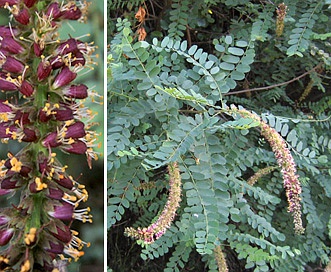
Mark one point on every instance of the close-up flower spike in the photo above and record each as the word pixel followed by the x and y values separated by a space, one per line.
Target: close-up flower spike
pixel 43 108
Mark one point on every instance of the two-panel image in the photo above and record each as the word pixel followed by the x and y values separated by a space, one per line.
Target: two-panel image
pixel 175 136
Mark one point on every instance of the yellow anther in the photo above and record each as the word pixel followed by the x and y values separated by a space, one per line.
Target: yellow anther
pixel 26 266
pixel 16 165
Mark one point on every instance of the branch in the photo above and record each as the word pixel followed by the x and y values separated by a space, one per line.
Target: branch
pixel 275 85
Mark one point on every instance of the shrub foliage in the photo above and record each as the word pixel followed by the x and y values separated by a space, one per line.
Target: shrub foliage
pixel 181 75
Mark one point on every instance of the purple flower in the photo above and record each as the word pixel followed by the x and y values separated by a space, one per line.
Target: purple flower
pixel 30 3
pixel 10 64
pixel 44 70
pixel 8 44
pixel 64 77
pixel 5 236
pixel 78 147
pixel 26 88
pixel 22 16
pixel 76 91
pixel 75 130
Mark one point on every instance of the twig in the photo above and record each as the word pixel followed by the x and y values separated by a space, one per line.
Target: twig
pixel 275 85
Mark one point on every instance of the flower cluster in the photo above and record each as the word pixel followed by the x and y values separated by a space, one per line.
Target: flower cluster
pixel 259 174
pixel 286 163
pixel 281 13
pixel 44 110
pixel 163 222
pixel 220 259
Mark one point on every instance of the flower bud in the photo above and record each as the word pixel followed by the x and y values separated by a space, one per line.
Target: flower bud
pixel 64 212
pixel 26 88
pixel 51 140
pixel 30 3
pixel 72 13
pixel 44 69
pixel 5 236
pixel 75 130
pixel 54 11
pixel 76 91
pixel 78 147
pixel 63 233
pixel 8 44
pixel 6 84
pixel 64 77
pixel 11 64
pixel 22 16
pixel 8 2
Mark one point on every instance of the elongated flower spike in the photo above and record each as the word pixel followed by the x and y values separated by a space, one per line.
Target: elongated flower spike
pixel 285 162
pixel 154 231
pixel 48 115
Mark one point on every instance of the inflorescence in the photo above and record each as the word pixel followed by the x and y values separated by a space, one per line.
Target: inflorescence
pixel 285 162
pixel 45 113
pixel 154 231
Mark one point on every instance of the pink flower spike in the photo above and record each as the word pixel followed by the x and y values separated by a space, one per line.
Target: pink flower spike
pixel 64 77
pixel 5 236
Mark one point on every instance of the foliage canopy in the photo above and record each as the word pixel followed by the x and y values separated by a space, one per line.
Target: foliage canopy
pixel 171 92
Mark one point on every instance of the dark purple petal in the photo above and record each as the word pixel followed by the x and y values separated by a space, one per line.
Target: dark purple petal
pixel 63 212
pixel 23 17
pixel 77 147
pixel 30 3
pixel 10 45
pixel 7 85
pixel 64 235
pixel 55 248
pixel 29 135
pixel 55 193
pixel 75 130
pixel 37 49
pixel 44 69
pixel 26 88
pixel 5 236
pixel 8 2
pixel 12 65
pixel 65 182
pixel 8 184
pixel 76 91
pixel 64 114
pixel 64 77
pixel 72 13
pixel 54 11
pixel 51 140
pixel 4 106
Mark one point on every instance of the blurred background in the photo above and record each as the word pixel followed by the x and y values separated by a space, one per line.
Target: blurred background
pixel 77 165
